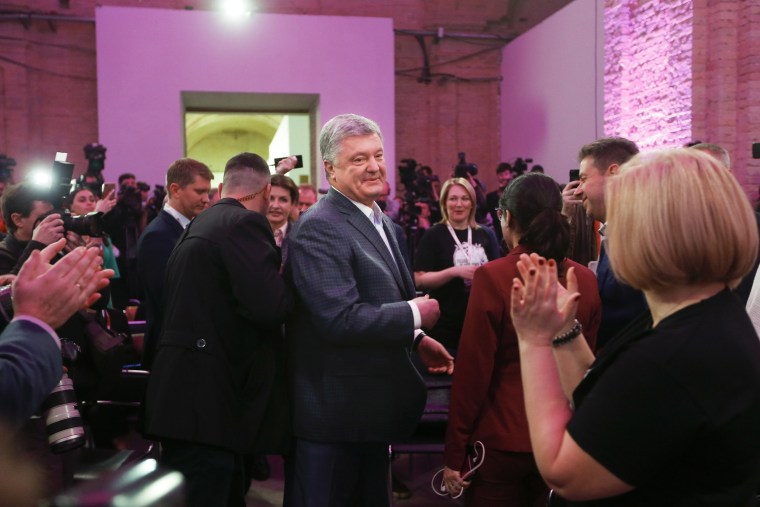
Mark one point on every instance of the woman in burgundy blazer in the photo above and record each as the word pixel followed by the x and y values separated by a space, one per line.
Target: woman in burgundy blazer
pixel 487 397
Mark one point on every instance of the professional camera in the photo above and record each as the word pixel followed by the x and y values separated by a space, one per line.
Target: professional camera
pixel 6 168
pixel 462 169
pixel 520 166
pixel 419 182
pixel 96 157
pixel 130 198
pixel 62 419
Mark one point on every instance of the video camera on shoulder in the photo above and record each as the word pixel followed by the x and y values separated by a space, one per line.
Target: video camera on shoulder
pixel 462 169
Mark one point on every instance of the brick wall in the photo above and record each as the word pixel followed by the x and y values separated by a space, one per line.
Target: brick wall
pixel 647 75
pixel 458 111
pixel 677 70
pixel 727 82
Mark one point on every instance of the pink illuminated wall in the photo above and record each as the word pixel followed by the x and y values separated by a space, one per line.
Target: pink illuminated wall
pixel 648 71
pixel 552 91
pixel 147 57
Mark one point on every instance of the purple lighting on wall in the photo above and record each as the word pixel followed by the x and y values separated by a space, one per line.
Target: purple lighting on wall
pixel 648 71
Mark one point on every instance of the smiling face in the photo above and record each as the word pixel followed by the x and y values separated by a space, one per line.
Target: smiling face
pixel 359 169
pixel 280 205
pixel 458 206
pixel 83 203
pixel 591 189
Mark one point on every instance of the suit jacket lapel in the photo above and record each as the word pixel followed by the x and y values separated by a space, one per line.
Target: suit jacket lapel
pixel 400 264
pixel 367 228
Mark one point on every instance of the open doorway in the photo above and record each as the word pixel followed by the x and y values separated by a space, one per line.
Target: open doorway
pixel 220 125
pixel 214 137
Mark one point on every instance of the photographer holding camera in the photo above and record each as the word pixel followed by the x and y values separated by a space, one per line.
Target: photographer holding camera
pixel 22 205
pixel 123 226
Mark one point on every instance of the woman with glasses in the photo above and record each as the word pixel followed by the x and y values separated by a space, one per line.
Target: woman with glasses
pixel 668 413
pixel 448 255
pixel 487 403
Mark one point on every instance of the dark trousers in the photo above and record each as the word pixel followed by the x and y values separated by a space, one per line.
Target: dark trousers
pixel 213 476
pixel 507 479
pixel 338 475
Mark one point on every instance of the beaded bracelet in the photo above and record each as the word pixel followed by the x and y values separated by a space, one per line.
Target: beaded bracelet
pixel 569 336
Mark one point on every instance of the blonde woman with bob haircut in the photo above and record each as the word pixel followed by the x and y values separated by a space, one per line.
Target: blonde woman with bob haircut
pixel 448 255
pixel 669 412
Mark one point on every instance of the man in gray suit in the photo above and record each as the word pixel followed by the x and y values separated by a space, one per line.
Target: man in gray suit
pixel 357 320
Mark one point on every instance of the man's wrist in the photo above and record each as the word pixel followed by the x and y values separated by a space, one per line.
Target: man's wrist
pixel 417 339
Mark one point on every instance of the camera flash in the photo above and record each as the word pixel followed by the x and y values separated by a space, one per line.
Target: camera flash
pixel 60 156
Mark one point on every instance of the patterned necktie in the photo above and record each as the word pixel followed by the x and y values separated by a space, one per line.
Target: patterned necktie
pixel 278 237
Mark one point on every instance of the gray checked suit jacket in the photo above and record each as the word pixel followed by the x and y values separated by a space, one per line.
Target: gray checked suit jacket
pixel 352 329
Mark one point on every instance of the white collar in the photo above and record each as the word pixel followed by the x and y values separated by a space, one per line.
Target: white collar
pixel 182 219
pixel 374 213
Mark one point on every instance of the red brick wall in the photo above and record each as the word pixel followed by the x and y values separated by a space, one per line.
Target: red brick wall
pixel 678 71
pixel 647 85
pixel 727 82
pixel 42 112
pixel 647 98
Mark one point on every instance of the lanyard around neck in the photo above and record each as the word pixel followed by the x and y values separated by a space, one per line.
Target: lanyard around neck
pixel 459 243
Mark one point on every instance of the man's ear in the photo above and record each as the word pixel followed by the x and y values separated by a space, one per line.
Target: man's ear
pixel 173 188
pixel 613 169
pixel 330 170
pixel 16 219
pixel 220 188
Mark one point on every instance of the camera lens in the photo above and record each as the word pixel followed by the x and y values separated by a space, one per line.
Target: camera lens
pixel 62 420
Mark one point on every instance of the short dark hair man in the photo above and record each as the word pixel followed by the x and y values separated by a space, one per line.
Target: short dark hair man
pixel 504 174
pixel 307 196
pixel 22 205
pixel 213 381
pixel 188 183
pixel 355 387
pixel 598 161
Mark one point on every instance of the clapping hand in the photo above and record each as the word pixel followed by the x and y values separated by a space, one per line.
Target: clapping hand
pixel 541 307
pixel 52 293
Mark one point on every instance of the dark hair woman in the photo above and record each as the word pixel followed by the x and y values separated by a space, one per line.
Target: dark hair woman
pixel 487 398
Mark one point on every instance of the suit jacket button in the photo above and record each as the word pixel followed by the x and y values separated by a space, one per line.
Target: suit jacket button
pixel 201 343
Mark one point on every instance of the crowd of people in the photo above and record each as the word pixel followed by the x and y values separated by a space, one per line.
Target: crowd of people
pixel 279 322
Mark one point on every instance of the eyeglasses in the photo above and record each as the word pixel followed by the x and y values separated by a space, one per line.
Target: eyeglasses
pixel 500 213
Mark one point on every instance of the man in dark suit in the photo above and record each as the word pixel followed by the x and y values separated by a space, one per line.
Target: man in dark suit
pixel 44 297
pixel 355 388
pixel 214 374
pixel 187 183
pixel 504 175
pixel 600 160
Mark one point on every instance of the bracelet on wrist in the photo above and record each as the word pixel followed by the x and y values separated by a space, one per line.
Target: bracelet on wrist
pixel 568 336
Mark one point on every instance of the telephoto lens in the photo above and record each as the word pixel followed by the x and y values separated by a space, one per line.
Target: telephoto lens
pixel 62 419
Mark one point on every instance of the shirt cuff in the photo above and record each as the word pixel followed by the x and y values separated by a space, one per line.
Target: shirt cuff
pixel 416 314
pixel 41 324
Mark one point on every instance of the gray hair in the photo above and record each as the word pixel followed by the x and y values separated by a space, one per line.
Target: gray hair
pixel 341 127
pixel 719 152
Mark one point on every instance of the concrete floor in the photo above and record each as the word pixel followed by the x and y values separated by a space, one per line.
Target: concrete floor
pixel 415 470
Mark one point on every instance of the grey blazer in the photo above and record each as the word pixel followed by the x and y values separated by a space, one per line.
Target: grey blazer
pixel 351 333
